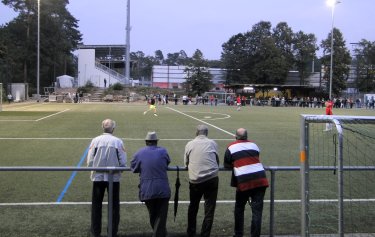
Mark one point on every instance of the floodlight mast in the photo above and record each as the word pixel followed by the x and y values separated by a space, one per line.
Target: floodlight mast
pixel 127 53
pixel 38 54
pixel 332 4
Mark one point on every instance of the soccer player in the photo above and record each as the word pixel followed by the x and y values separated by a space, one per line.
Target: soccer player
pixel 152 107
pixel 238 101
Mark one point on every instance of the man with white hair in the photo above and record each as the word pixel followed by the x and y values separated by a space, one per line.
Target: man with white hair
pixel 105 150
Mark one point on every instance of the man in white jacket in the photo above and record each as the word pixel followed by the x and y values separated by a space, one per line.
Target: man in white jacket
pixel 105 150
pixel 202 160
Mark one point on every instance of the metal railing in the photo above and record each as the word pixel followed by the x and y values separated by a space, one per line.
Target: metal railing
pixel 110 170
pixel 305 121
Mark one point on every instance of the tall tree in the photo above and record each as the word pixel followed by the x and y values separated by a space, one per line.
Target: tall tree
pixel 159 57
pixel 235 58
pixel 304 48
pixel 142 65
pixel 365 60
pixel 284 38
pixel 256 56
pixel 341 61
pixel 198 78
pixel 59 37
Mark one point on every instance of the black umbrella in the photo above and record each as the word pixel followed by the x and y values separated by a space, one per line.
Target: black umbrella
pixel 177 185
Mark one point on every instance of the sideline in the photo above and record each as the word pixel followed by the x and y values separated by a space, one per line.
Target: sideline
pixel 202 121
pixel 72 176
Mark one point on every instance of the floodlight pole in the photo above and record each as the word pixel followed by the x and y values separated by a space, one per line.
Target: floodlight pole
pixel 127 53
pixel 332 5
pixel 38 54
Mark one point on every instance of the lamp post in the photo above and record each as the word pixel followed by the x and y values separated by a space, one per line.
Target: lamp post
pixel 332 4
pixel 38 54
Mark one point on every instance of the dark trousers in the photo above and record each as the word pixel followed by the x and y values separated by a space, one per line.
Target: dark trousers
pixel 256 195
pixel 158 212
pixel 208 190
pixel 98 191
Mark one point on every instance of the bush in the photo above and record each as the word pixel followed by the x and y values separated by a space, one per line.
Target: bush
pixel 117 87
pixel 88 87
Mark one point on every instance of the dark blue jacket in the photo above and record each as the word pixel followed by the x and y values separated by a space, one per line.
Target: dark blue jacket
pixel 152 163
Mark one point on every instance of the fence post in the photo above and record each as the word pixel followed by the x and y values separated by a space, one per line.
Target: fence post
pixel 110 202
pixel 272 202
pixel 304 163
pixel 340 178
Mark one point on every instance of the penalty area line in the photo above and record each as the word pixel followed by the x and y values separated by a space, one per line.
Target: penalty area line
pixel 201 121
pixel 51 115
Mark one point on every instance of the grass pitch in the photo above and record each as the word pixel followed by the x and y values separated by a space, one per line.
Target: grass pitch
pixel 37 134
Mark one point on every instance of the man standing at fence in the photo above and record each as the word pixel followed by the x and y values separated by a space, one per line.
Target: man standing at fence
pixel 202 160
pixel 249 177
pixel 105 150
pixel 152 163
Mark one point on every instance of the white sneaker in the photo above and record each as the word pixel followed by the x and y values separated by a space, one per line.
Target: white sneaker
pixel 144 113
pixel 156 115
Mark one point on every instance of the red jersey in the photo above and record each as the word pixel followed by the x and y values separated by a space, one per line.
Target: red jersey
pixel 329 106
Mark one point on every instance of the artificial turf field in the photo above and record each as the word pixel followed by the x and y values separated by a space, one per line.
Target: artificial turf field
pixel 51 134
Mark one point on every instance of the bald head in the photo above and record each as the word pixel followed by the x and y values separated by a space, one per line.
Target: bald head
pixel 202 130
pixel 108 125
pixel 241 134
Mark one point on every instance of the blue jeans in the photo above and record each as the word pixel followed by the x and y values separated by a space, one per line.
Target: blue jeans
pixel 242 197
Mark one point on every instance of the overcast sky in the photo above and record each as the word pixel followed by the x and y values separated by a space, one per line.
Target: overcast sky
pixel 174 25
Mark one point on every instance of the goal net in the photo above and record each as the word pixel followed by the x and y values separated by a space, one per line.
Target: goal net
pixel 337 175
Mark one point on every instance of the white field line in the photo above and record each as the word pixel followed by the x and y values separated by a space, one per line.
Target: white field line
pixel 182 202
pixel 29 120
pixel 202 121
pixel 226 116
pixel 21 108
pixel 51 115
pixel 17 120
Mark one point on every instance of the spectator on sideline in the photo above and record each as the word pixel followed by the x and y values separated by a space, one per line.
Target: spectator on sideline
pixel 105 150
pixel 80 97
pixel 202 160
pixel 249 178
pixel 10 98
pixel 152 163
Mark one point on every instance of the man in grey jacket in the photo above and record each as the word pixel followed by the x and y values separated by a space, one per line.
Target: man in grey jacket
pixel 105 150
pixel 202 160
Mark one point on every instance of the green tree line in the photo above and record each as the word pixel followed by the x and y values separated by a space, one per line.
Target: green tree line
pixel 264 54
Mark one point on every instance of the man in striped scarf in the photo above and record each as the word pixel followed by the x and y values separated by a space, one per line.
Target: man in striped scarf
pixel 249 177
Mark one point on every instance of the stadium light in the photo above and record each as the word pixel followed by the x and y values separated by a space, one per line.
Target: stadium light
pixel 331 4
pixel 38 54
